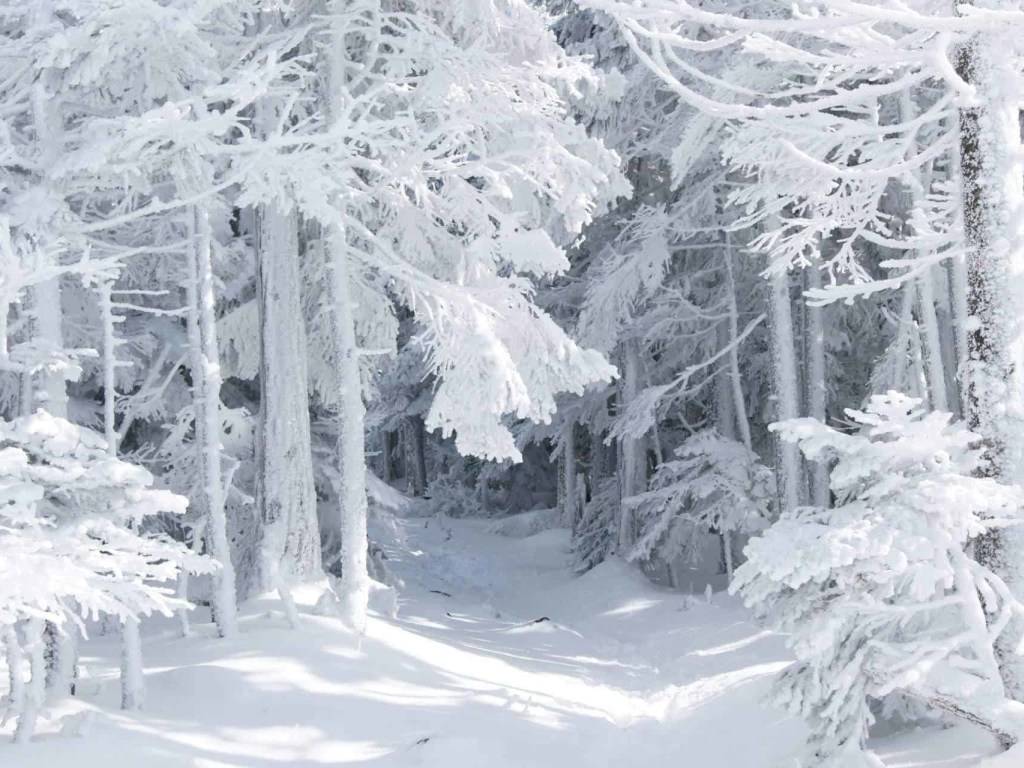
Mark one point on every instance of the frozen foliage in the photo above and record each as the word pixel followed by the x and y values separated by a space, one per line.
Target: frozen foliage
pixel 880 593
pixel 715 485
pixel 70 521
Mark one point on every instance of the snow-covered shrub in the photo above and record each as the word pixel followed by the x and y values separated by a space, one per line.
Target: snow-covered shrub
pixel 69 543
pixel 880 594
pixel 715 485
pixel 448 495
pixel 598 529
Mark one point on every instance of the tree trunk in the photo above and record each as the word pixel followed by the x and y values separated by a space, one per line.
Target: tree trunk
pixel 206 367
pixel 416 455
pixel 34 693
pixel 387 444
pixel 133 686
pixel 47 318
pixel 992 173
pixel 785 389
pixel 15 682
pixel 935 370
pixel 568 477
pixel 632 465
pixel 285 493
pixel 957 277
pixel 739 405
pixel 817 385
pixel 355 580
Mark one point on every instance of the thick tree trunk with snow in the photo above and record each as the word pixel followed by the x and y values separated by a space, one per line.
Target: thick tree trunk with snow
pixel 355 580
pixel 206 366
pixel 785 389
pixel 285 494
pixel 992 178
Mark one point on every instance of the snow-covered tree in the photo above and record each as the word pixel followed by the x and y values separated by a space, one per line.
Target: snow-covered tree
pixel 715 485
pixel 880 594
pixel 72 535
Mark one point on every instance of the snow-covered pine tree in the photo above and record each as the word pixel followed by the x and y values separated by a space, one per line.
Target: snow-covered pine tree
pixel 714 485
pixel 880 594
pixel 74 547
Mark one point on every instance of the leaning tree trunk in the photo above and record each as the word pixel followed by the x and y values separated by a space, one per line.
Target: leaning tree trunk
pixel 992 174
pixel 206 397
pixel 285 494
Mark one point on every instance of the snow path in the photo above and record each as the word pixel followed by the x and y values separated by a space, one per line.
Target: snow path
pixel 619 673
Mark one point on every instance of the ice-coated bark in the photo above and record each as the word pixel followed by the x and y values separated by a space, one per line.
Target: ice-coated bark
pixel 62 659
pixel 206 397
pixel 133 686
pixel 817 385
pixel 739 406
pixel 14 658
pixel 285 494
pixel 354 590
pixel 47 317
pixel 992 170
pixel 785 388
pixel 956 273
pixel 35 691
pixel 109 366
pixel 931 339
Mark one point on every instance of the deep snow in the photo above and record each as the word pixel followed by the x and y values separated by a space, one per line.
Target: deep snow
pixel 619 672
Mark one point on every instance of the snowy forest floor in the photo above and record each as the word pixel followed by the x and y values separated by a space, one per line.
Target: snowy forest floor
pixel 620 673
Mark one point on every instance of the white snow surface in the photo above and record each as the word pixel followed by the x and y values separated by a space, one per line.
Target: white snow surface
pixel 619 672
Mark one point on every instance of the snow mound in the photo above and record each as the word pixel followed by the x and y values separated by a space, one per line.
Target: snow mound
pixel 384 496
